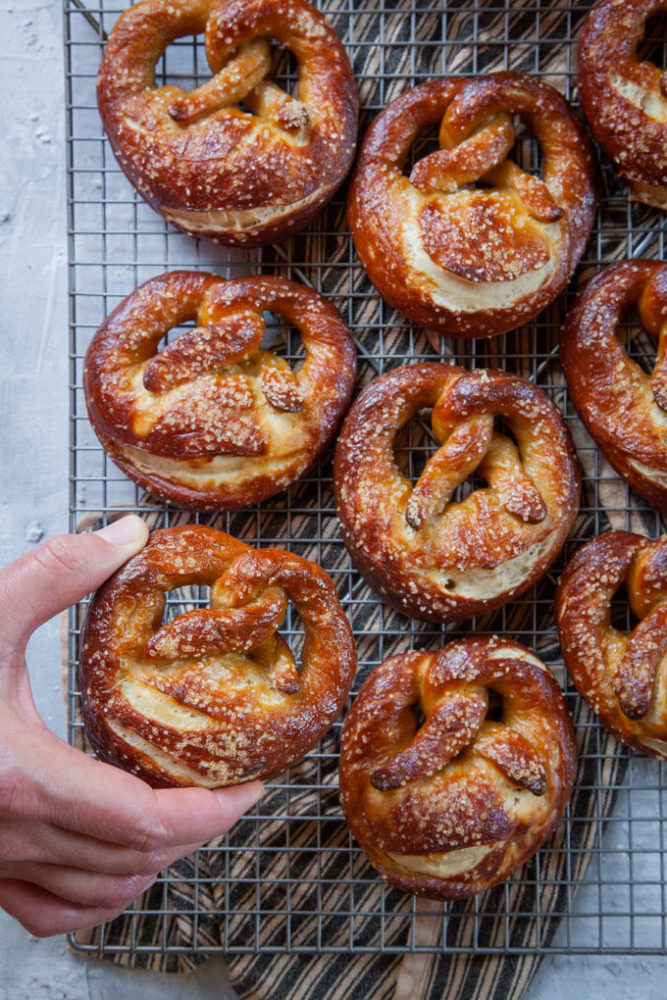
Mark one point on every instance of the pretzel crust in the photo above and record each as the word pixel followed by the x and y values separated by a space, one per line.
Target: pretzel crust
pixel 623 98
pixel 246 177
pixel 462 260
pixel 623 408
pixel 454 806
pixel 622 677
pixel 426 555
pixel 213 420
pixel 214 697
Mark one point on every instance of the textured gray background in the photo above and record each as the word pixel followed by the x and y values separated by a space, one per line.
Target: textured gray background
pixel 34 493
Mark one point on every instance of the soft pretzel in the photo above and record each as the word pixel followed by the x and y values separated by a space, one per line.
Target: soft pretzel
pixel 213 420
pixel 624 409
pixel 622 676
pixel 214 697
pixel 461 258
pixel 453 805
pixel 625 98
pixel 428 555
pixel 249 174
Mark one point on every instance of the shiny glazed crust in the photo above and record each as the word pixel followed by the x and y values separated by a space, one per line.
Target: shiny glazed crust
pixel 458 259
pixel 623 98
pixel 426 555
pixel 212 420
pixel 624 409
pixel 456 805
pixel 250 175
pixel 621 676
pixel 215 696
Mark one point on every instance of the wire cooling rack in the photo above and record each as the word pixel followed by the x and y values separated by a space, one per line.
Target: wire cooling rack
pixel 289 877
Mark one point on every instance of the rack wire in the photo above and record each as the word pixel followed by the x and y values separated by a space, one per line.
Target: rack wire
pixel 290 877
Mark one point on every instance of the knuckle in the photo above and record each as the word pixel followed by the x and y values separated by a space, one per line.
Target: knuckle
pixel 148 835
pixel 58 554
pixel 117 893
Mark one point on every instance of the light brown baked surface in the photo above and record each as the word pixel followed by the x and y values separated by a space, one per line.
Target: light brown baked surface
pixel 214 697
pixel 455 805
pixel 213 420
pixel 246 175
pixel 423 553
pixel 623 407
pixel 463 258
pixel 621 675
pixel 624 97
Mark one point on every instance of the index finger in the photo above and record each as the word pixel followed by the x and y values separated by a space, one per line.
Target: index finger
pixel 102 801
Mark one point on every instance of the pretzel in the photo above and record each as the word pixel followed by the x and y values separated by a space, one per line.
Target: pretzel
pixel 623 408
pixel 434 557
pixel 625 98
pixel 463 258
pixel 213 420
pixel 214 697
pixel 237 159
pixel 622 676
pixel 454 805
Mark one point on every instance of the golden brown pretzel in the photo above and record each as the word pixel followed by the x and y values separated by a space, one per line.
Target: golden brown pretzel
pixel 467 260
pixel 215 696
pixel 624 409
pixel 454 805
pixel 213 420
pixel 622 676
pixel 427 555
pixel 623 98
pixel 251 175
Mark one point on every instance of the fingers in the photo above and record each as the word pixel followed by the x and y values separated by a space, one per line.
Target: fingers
pixel 82 888
pixel 60 572
pixel 40 844
pixel 115 806
pixel 43 913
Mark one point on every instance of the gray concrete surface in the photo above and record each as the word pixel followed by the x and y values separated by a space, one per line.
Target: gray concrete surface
pixel 34 493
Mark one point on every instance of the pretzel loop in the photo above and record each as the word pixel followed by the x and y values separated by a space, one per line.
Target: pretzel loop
pixel 471 243
pixel 453 805
pixel 623 407
pixel 216 695
pixel 181 419
pixel 430 555
pixel 621 675
pixel 237 158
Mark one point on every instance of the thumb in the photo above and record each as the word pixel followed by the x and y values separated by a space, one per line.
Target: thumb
pixel 61 571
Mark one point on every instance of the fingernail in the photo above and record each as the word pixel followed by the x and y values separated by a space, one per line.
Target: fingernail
pixel 130 531
pixel 249 793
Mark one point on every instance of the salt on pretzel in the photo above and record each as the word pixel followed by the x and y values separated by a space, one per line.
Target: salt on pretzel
pixel 215 696
pixel 623 407
pixel 469 244
pixel 246 175
pixel 451 805
pixel 213 420
pixel 426 554
pixel 621 675
pixel 624 97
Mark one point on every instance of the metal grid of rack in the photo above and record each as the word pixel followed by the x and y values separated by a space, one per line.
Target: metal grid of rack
pixel 289 877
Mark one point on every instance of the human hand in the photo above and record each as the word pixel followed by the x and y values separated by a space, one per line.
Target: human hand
pixel 79 839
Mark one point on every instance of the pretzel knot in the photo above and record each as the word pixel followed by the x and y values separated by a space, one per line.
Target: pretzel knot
pixel 214 420
pixel 215 696
pixel 250 174
pixel 623 407
pixel 471 244
pixel 621 675
pixel 625 98
pixel 428 554
pixel 453 804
